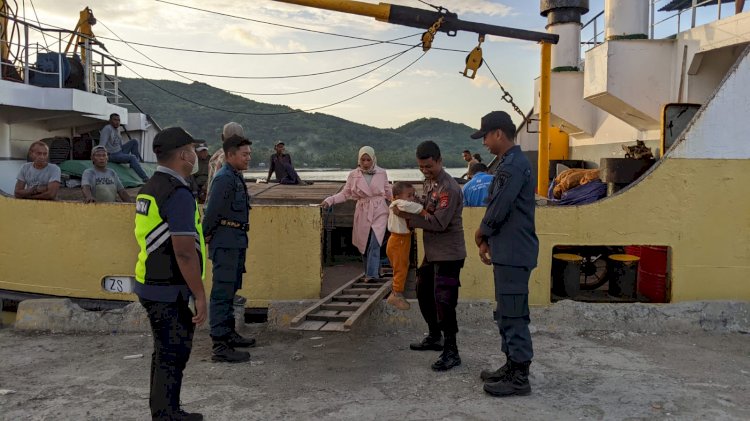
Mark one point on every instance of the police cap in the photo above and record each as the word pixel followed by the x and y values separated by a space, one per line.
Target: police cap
pixel 171 138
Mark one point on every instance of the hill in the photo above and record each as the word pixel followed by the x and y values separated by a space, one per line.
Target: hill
pixel 315 139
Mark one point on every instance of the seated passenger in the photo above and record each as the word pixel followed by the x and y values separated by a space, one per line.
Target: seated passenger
pixel 101 184
pixel 281 164
pixel 38 180
pixel 121 153
pixel 477 188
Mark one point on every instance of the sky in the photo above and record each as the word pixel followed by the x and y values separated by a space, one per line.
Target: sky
pixel 431 87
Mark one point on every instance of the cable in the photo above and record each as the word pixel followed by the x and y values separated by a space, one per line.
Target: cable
pixel 237 53
pixel 279 113
pixel 507 97
pixel 40 23
pixel 298 28
pixel 392 58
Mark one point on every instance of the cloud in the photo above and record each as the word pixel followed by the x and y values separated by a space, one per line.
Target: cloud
pixel 481 81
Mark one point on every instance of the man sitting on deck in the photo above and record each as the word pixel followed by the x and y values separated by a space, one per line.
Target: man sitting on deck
pixel 38 180
pixel 281 164
pixel 121 153
pixel 101 184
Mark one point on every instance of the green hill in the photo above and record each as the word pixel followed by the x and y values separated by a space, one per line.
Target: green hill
pixel 315 139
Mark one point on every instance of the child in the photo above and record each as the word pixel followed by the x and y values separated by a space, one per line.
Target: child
pixel 399 243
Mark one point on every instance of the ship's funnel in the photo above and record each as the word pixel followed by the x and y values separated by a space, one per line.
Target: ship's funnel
pixel 626 19
pixel 564 19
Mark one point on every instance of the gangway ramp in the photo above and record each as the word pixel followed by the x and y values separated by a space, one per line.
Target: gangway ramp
pixel 343 308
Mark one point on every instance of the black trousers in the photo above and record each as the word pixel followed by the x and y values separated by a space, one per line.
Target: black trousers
pixel 172 328
pixel 437 294
pixel 229 265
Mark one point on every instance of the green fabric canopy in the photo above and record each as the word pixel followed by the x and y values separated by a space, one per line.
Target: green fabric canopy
pixel 128 177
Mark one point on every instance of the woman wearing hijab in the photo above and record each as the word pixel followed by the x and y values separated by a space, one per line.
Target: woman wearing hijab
pixel 368 185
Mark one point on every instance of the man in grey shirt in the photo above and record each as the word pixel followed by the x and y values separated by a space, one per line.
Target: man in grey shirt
pixel 38 180
pixel 121 153
pixel 101 184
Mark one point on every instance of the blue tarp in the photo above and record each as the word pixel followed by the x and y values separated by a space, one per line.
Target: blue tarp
pixel 581 195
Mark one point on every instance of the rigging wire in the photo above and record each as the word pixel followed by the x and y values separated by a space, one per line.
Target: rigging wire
pixel 239 53
pixel 296 27
pixel 181 72
pixel 390 59
pixel 40 23
pixel 278 113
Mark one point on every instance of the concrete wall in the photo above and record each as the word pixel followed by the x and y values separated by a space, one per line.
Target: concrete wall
pixel 64 249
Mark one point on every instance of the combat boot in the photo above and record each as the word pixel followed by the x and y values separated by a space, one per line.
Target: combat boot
pixel 449 358
pixel 238 341
pixel 187 416
pixel 516 383
pixel 431 342
pixel 224 353
pixel 492 376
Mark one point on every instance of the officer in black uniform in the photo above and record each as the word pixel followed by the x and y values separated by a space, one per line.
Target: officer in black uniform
pixel 507 240
pixel 225 225
pixel 170 268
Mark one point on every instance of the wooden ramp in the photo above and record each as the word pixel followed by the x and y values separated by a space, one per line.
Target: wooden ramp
pixel 339 311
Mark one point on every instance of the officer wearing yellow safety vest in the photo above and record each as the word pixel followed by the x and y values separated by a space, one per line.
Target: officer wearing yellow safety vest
pixel 170 268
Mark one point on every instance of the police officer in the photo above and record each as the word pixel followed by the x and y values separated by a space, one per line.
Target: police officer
pixel 445 251
pixel 226 224
pixel 170 268
pixel 507 240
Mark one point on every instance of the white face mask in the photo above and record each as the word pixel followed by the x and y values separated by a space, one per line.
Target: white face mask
pixel 195 166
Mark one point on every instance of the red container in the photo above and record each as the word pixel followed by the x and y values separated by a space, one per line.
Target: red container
pixel 633 250
pixel 653 286
pixel 654 259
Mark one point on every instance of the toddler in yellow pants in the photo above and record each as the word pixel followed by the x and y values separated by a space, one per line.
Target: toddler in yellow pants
pixel 399 243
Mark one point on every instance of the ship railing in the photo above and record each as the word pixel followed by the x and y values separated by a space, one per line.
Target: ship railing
pixel 593 32
pixel 99 68
pixel 692 11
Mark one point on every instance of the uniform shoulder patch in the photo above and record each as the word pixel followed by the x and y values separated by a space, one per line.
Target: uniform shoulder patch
pixel 444 199
pixel 502 177
pixel 142 206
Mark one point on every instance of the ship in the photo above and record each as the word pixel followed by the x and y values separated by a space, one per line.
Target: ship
pixel 658 117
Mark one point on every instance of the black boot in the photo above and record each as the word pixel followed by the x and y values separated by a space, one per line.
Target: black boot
pixel 187 416
pixel 431 342
pixel 224 353
pixel 492 376
pixel 516 383
pixel 238 341
pixel 449 358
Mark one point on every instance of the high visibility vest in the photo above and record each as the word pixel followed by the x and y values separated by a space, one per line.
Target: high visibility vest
pixel 157 263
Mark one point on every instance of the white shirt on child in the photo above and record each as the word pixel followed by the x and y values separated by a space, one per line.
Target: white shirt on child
pixel 396 224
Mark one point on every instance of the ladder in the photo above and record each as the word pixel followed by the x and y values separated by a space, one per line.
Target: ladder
pixel 340 310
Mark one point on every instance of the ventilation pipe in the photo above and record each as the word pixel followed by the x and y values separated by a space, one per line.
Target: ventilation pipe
pixel 626 19
pixel 564 19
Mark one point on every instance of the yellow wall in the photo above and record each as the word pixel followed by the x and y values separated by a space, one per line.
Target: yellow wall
pixel 63 248
pixel 696 207
pixel 699 208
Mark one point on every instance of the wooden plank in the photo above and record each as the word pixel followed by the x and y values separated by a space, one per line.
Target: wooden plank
pixel 340 307
pixel 359 291
pixel 310 325
pixel 328 317
pixel 366 285
pixel 349 298
pixel 301 317
pixel 367 305
pixel 333 327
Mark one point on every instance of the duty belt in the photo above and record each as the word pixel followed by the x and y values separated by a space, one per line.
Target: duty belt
pixel 234 224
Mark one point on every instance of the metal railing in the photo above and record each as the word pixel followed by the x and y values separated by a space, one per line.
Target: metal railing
pixel 99 68
pixel 693 10
pixel 593 31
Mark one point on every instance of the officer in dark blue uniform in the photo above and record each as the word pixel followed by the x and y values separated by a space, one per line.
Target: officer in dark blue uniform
pixel 225 226
pixel 507 240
